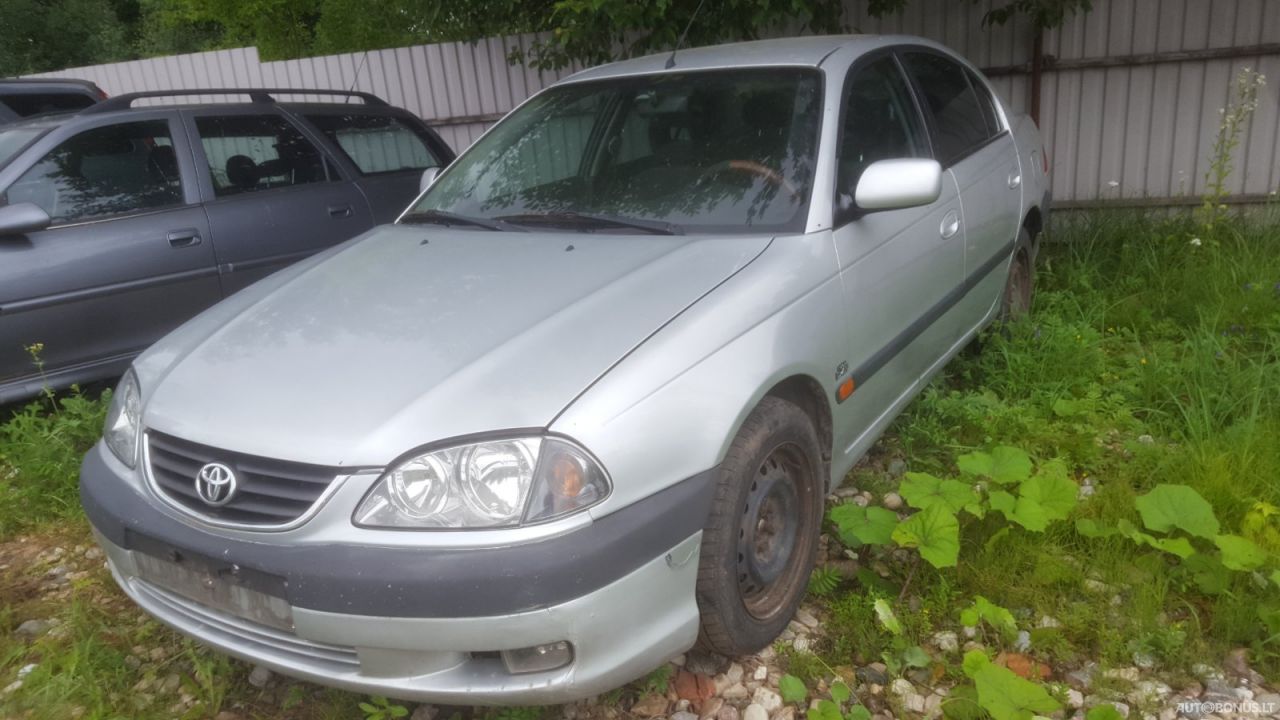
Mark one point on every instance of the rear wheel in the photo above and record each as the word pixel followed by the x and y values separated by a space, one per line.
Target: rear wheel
pixel 761 538
pixel 1019 287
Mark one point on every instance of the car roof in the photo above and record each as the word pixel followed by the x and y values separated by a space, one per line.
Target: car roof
pixel 26 82
pixel 796 51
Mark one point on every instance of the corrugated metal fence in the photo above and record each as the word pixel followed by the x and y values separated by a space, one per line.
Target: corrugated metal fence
pixel 1129 94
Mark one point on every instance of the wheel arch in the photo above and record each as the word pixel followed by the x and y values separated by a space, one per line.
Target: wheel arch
pixel 806 392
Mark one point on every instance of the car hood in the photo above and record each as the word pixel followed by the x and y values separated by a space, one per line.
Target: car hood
pixel 416 334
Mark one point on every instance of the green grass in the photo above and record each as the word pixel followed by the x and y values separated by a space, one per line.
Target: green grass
pixel 1135 332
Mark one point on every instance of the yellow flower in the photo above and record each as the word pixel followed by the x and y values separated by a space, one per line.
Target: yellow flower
pixel 1143 361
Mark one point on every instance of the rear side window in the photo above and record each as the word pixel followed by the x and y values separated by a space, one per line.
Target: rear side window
pixel 112 170
pixel 959 120
pixel 249 153
pixel 377 143
pixel 986 102
pixel 28 104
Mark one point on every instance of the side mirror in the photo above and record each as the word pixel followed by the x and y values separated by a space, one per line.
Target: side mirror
pixel 428 176
pixel 22 218
pixel 902 183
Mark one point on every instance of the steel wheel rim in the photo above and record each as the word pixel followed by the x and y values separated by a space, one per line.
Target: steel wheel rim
pixel 770 548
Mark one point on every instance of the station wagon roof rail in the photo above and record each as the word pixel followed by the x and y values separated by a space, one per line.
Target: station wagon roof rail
pixel 257 95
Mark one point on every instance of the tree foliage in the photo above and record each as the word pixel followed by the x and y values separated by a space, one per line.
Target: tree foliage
pixel 53 34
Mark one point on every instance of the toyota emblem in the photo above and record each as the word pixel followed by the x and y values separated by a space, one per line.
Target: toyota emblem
pixel 216 484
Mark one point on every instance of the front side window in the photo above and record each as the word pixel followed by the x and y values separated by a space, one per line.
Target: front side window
pixel 111 170
pixel 959 121
pixel 880 123
pixel 376 143
pixel 248 153
pixel 711 151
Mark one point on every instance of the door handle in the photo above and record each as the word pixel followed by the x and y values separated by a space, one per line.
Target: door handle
pixel 950 224
pixel 1015 179
pixel 187 237
pixel 339 211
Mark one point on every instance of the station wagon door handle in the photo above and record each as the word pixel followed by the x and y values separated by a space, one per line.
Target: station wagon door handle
pixel 187 237
pixel 339 211
pixel 1015 179
pixel 950 224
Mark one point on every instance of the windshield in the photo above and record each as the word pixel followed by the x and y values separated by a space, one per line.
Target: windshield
pixel 710 151
pixel 13 140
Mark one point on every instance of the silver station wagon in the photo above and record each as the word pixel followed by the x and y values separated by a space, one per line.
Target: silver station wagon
pixel 580 406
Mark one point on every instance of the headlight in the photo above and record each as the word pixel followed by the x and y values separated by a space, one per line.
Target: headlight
pixel 498 483
pixel 121 431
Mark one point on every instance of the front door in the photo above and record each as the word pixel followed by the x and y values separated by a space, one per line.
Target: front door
pixel 272 196
pixel 897 266
pixel 126 259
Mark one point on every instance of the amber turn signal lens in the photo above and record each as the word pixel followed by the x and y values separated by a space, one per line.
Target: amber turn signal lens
pixel 845 390
pixel 566 476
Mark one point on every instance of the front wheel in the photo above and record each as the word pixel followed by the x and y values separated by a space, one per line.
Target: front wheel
pixel 761 538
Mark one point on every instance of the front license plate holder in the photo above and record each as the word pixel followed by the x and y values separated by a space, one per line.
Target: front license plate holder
pixel 221 586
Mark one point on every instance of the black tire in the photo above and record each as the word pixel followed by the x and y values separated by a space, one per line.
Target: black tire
pixel 1019 287
pixel 761 539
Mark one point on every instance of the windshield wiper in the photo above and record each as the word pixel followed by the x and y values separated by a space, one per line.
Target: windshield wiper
pixel 444 217
pixel 657 227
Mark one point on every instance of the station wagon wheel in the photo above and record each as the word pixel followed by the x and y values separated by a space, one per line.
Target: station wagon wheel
pixel 760 542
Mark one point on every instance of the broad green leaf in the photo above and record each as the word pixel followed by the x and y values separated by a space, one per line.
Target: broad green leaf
pixel 885 615
pixel 915 657
pixel 840 693
pixel 1106 711
pixel 935 532
pixel 859 526
pixel 983 610
pixel 1091 528
pixel 1052 490
pixel 858 712
pixel 1179 546
pixel 825 710
pixel 1240 553
pixel 1208 573
pixel 962 704
pixel 1169 507
pixel 1003 694
pixel 1270 616
pixel 1003 502
pixel 398 711
pixel 1003 465
pixel 792 689
pixel 923 491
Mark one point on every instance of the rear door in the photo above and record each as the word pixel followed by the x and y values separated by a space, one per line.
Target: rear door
pixel 973 143
pixel 273 196
pixel 126 259
pixel 385 149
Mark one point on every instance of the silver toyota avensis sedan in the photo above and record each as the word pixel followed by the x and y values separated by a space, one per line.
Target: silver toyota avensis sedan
pixel 580 406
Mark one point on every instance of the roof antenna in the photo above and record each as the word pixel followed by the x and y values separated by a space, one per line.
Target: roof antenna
pixel 671 61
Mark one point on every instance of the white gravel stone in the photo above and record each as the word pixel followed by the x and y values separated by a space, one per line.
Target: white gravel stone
pixel 260 677
pixel 737 691
pixel 684 715
pixel 901 686
pixel 892 501
pixel 1048 621
pixel 946 641
pixel 970 632
pixel 427 712
pixel 767 699
pixel 11 688
pixel 755 712
pixel 801 643
pixel 1075 699
pixel 735 673
pixel 25 670
pixel 806 618
pixel 761 673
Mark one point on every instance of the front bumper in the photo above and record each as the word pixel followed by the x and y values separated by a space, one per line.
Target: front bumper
pixel 619 628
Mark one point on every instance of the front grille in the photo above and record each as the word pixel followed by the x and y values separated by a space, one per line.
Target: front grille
pixel 242 634
pixel 268 492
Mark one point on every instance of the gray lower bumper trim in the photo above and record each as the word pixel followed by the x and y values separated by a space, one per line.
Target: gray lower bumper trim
pixel 409 582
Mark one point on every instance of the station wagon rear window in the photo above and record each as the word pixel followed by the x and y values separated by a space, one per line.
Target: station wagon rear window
pixel 705 151
pixel 376 143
